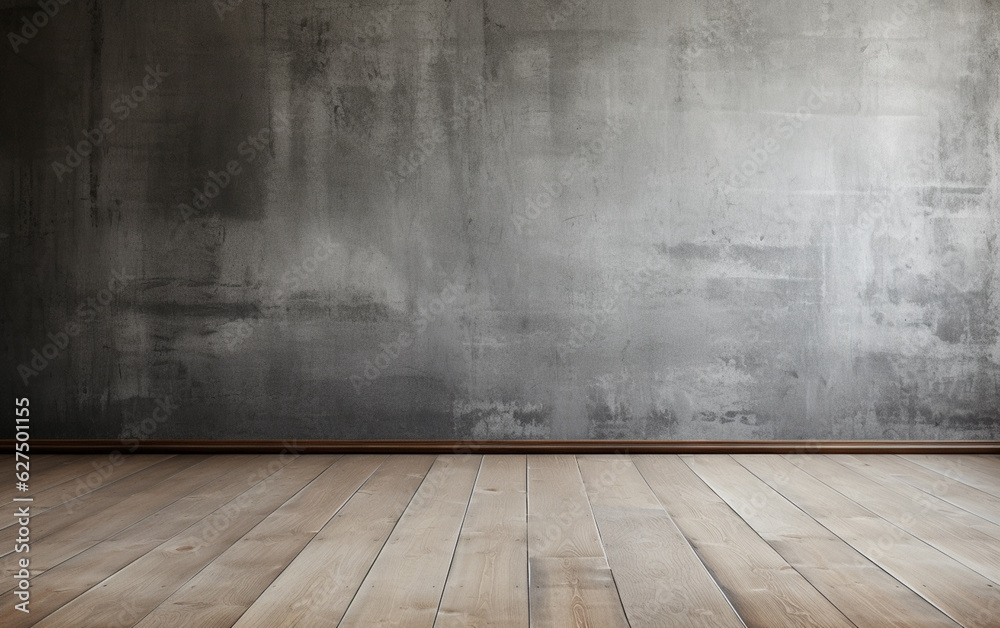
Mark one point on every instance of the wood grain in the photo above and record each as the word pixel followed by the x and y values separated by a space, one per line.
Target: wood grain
pixel 488 581
pixel 62 583
pixel 255 560
pixel 660 579
pixel 45 522
pixel 406 581
pixel 988 464
pixel 608 540
pixel 971 540
pixel 763 588
pixel 944 582
pixel 862 591
pixel 569 577
pixel 73 494
pixel 902 471
pixel 43 477
pixel 317 586
pixel 560 522
pixel 70 540
pixel 574 593
pixel 961 468
pixel 127 596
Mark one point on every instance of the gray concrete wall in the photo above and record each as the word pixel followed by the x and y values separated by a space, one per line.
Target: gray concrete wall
pixel 524 219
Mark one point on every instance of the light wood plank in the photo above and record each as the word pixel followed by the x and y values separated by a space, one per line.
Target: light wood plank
pixel 46 460
pixel 959 468
pixel 72 495
pixel 987 464
pixel 405 583
pixel 866 594
pixel 46 463
pixel 660 579
pixel 763 588
pixel 488 581
pixel 990 460
pixel 124 598
pixel 60 469
pixel 857 528
pixel 969 539
pixel 904 472
pixel 64 582
pixel 89 531
pixel 570 582
pixel 560 523
pixel 573 593
pixel 316 588
pixel 944 582
pixel 253 562
pixel 50 521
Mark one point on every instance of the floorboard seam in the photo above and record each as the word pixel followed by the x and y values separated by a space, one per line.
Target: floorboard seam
pixel 302 549
pixel 852 546
pixel 774 549
pixel 458 539
pixel 402 512
pixel 206 565
pixel 600 537
pixel 708 570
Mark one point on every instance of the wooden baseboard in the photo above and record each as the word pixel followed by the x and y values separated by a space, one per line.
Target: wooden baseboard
pixel 83 446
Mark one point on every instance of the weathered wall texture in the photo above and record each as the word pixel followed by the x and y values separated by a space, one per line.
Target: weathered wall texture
pixel 521 219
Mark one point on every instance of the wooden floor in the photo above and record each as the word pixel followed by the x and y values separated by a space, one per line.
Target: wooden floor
pixel 508 540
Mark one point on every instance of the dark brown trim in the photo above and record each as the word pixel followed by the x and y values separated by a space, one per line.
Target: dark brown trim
pixel 78 446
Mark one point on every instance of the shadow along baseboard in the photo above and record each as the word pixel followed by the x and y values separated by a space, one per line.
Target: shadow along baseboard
pixel 96 446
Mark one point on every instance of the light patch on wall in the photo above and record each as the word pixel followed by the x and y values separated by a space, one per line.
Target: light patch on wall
pixel 500 420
